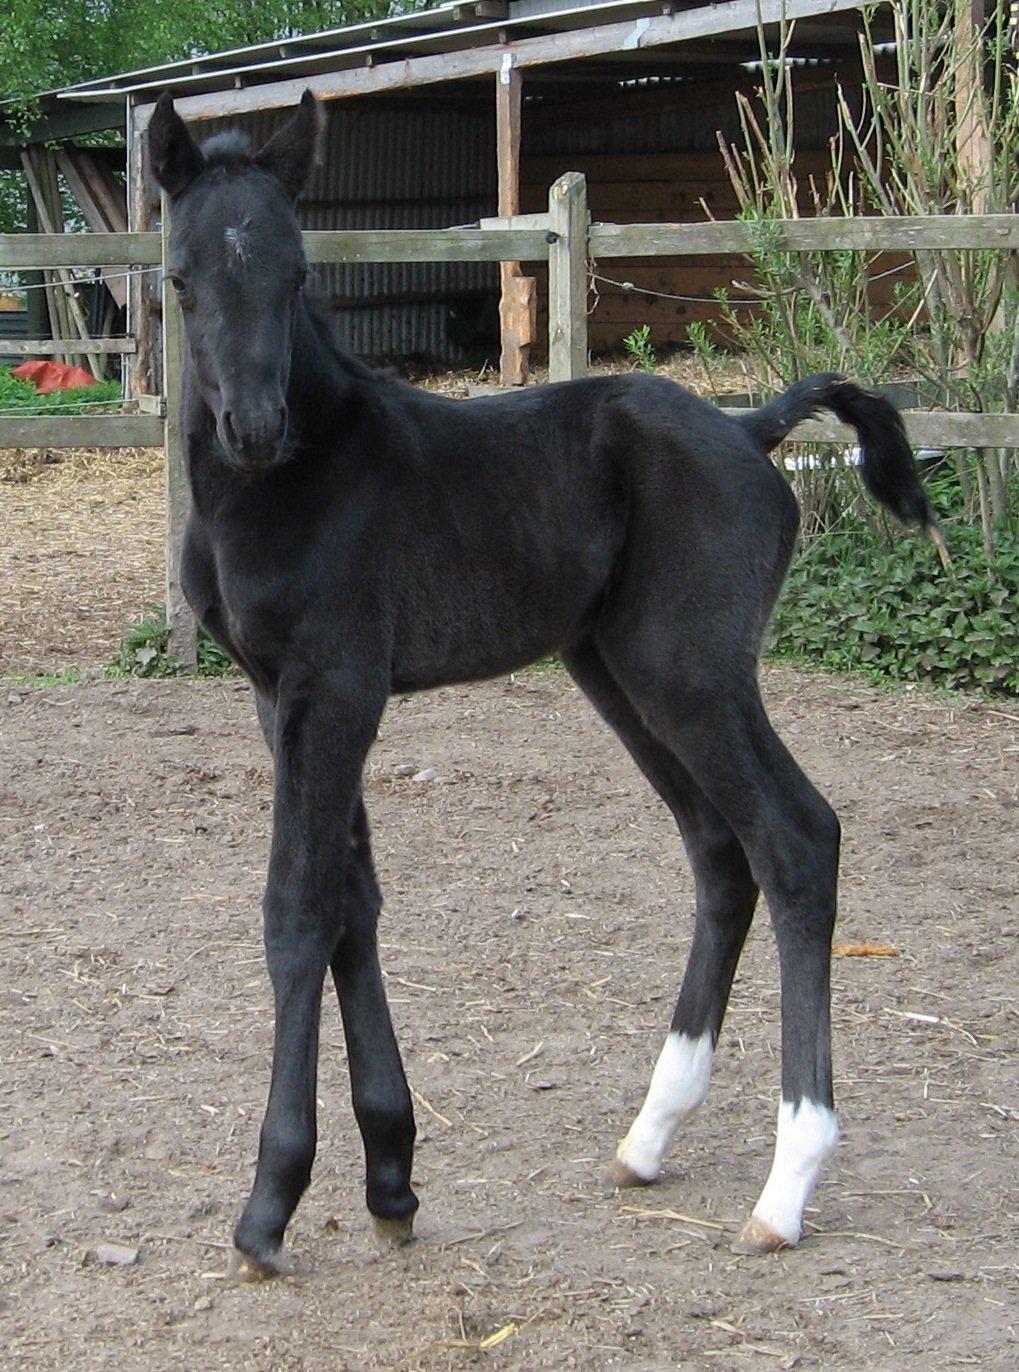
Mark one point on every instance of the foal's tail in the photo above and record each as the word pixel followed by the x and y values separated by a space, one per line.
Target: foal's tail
pixel 889 469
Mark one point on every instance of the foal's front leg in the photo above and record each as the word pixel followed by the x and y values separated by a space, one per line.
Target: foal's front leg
pixel 322 732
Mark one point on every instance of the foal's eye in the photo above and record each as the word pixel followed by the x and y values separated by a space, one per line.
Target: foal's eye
pixel 302 278
pixel 177 282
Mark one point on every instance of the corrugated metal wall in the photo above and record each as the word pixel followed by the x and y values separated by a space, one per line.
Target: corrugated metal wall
pixel 401 165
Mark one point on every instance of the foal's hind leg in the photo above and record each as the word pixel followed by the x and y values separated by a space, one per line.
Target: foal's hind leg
pixel 382 1103
pixel 726 898
pixel 710 714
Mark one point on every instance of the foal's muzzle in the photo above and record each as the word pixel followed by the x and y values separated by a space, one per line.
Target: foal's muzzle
pixel 253 437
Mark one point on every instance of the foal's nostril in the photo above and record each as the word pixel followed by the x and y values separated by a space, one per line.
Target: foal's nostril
pixel 229 432
pixel 284 418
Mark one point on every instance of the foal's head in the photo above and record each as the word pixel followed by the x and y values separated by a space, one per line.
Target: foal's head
pixel 237 264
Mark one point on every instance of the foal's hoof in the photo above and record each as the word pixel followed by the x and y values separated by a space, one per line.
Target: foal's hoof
pixel 621 1174
pixel 245 1269
pixel 393 1231
pixel 758 1237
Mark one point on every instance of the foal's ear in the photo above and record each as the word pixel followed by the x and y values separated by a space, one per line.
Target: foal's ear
pixel 176 157
pixel 292 151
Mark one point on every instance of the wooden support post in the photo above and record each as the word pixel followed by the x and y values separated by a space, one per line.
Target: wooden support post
pixel 567 278
pixel 37 308
pixel 517 301
pixel 183 636
pixel 138 380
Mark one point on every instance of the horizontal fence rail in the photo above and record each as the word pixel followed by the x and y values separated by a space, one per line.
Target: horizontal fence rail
pixel 925 429
pixel 48 347
pixel 19 251
pixel 426 245
pixel 82 431
pixel 995 231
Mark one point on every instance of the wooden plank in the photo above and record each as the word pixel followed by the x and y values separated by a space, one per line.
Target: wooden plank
pixel 18 250
pixel 140 205
pixel 926 429
pixel 425 245
pixel 515 310
pixel 567 279
pixel 50 347
pixel 707 21
pixel 804 235
pixel 82 431
pixel 65 309
pixel 183 636
pixel 103 213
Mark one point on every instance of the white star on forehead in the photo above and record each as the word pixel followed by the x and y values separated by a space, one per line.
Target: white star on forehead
pixel 238 240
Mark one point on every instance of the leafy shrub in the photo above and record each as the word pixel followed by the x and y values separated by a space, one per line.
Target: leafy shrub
pixel 851 604
pixel 144 652
pixel 21 398
pixel 638 345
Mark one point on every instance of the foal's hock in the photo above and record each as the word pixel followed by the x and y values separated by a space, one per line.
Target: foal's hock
pixel 351 536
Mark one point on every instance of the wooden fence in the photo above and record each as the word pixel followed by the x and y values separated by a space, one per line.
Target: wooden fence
pixel 563 237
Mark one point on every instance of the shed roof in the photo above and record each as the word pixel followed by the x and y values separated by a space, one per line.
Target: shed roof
pixel 459 28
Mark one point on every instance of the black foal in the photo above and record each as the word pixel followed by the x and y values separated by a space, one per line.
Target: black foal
pixel 352 537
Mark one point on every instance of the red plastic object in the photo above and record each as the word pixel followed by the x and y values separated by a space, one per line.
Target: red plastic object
pixel 54 376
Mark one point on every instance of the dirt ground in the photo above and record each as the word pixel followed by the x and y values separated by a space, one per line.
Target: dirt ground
pixel 536 925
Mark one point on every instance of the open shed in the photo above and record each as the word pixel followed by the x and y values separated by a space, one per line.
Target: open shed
pixel 449 115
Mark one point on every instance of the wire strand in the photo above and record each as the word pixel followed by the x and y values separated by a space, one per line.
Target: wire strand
pixel 75 281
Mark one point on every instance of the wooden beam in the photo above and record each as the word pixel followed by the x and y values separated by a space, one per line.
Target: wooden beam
pixel 82 431
pixel 65 121
pixel 65 308
pixel 140 205
pixel 567 279
pixel 96 201
pixel 54 347
pixel 804 235
pixel 182 642
pixel 516 305
pixel 19 250
pixel 708 21
pixel 425 245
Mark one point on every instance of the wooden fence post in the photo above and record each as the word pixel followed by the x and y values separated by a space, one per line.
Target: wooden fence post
pixel 183 637
pixel 567 278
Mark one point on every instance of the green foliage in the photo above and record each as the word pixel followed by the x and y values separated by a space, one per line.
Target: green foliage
pixel 638 345
pixel 144 652
pixel 852 604
pixel 53 43
pixel 20 398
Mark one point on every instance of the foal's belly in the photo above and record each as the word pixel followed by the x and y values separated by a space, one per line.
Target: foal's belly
pixel 468 619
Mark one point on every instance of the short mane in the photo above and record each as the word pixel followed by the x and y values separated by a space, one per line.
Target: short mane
pixel 223 149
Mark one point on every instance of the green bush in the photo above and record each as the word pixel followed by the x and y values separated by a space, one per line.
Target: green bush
pixel 144 652
pixel 851 604
pixel 19 398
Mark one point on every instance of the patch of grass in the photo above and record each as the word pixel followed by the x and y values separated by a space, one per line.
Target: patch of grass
pixel 18 398
pixel 67 676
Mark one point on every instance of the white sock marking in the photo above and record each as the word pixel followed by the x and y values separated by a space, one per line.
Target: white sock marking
pixel 679 1084
pixel 807 1135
